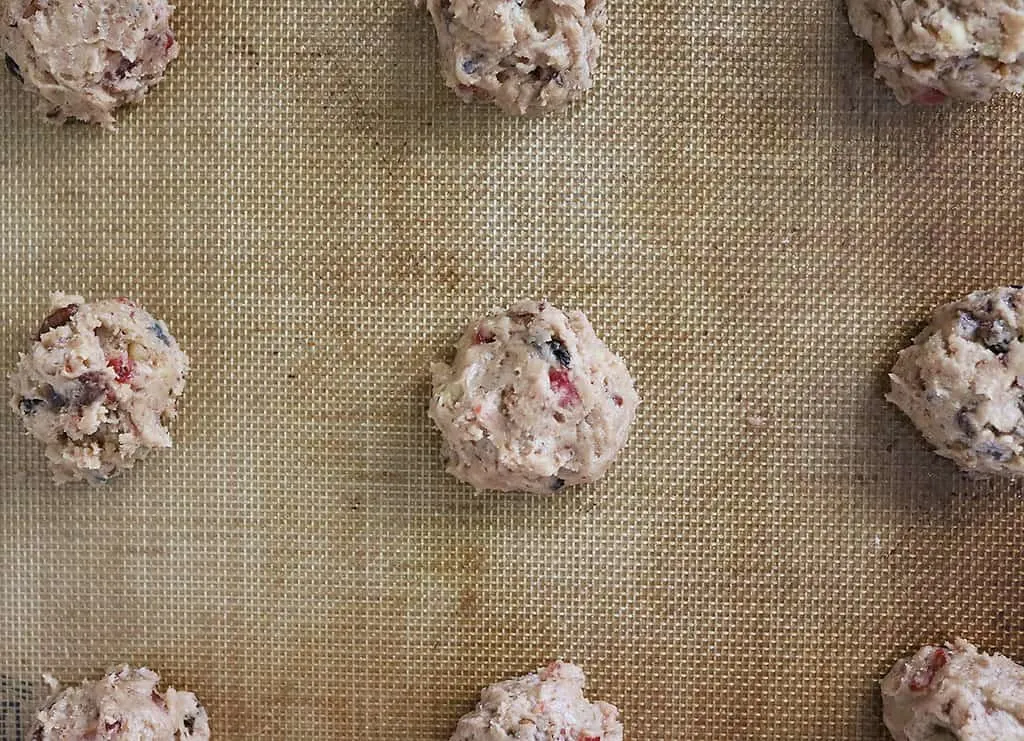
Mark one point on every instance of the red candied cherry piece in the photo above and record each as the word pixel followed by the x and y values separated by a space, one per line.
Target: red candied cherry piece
pixel 124 367
pixel 561 385
pixel 923 677
pixel 482 336
pixel 931 96
pixel 588 737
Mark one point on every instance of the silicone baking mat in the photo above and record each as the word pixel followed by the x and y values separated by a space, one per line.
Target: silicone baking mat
pixel 748 219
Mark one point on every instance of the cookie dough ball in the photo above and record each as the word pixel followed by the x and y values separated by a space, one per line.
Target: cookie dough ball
pixel 546 706
pixel 961 382
pixel 98 386
pixel 86 58
pixel 929 50
pixel 532 402
pixel 525 56
pixel 125 705
pixel 949 692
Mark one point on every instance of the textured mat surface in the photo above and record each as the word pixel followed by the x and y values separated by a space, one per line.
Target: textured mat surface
pixel 747 218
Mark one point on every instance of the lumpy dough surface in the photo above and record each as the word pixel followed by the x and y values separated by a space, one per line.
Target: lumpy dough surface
pixel 949 692
pixel 548 705
pixel 962 382
pixel 86 58
pixel 526 56
pixel 532 402
pixel 928 50
pixel 98 386
pixel 124 705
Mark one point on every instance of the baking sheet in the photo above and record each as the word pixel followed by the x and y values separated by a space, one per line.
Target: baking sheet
pixel 747 218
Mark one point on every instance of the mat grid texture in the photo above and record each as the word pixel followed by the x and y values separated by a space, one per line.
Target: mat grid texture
pixel 747 218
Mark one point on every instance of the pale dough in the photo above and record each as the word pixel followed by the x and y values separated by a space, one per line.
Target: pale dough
pixel 525 56
pixel 953 692
pixel 86 58
pixel 546 706
pixel 928 50
pixel 98 386
pixel 533 401
pixel 962 382
pixel 124 705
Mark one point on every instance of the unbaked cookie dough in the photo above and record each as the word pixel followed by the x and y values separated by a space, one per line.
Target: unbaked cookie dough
pixel 546 706
pixel 953 692
pixel 98 386
pixel 86 58
pixel 928 50
pixel 125 705
pixel 525 56
pixel 962 382
pixel 533 401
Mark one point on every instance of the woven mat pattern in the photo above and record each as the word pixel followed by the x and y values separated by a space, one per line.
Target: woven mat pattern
pixel 748 219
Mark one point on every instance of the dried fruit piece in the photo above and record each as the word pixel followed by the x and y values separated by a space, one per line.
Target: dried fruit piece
pixel 57 318
pixel 161 334
pixel 560 352
pixel 923 677
pixel 93 388
pixel 568 394
pixel 30 406
pixel 124 367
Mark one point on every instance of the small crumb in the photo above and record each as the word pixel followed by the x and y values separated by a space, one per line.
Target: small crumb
pixel 757 422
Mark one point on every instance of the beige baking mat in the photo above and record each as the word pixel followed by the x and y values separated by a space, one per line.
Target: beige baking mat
pixel 747 218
